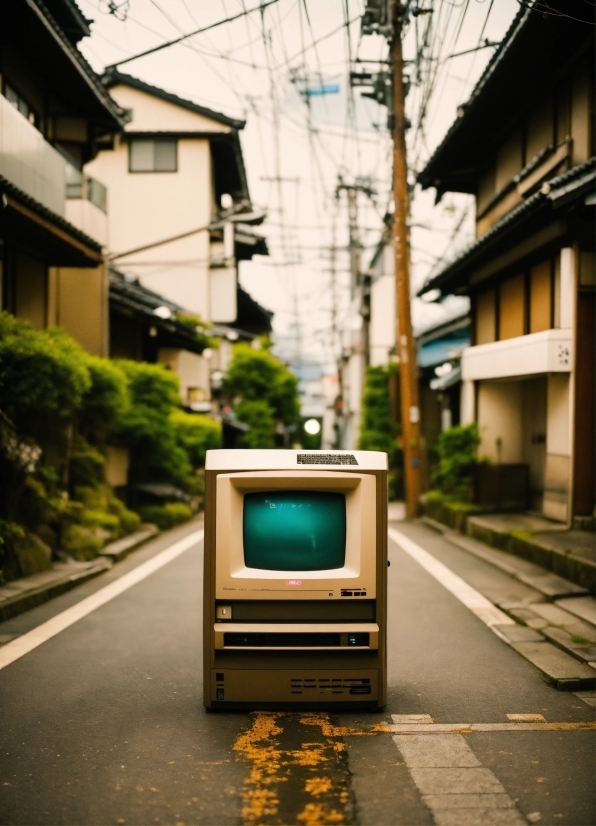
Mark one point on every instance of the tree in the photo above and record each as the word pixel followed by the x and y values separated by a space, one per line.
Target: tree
pixel 378 428
pixel 263 390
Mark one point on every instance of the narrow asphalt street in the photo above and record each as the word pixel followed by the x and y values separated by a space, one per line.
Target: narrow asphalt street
pixel 103 723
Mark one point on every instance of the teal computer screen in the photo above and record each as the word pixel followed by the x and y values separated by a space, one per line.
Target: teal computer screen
pixel 294 530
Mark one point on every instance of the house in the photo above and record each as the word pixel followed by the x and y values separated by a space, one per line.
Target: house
pixel 55 115
pixel 523 146
pixel 180 221
pixel 173 165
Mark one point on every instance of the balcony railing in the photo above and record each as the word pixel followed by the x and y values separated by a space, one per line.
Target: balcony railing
pixel 79 185
pixel 28 161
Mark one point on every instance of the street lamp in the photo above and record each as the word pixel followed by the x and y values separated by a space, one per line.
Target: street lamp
pixel 312 427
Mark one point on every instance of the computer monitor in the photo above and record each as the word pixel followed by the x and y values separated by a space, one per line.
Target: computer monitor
pixel 295 577
pixel 303 534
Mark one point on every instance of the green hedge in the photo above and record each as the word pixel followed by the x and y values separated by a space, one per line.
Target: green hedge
pixel 59 409
pixel 166 516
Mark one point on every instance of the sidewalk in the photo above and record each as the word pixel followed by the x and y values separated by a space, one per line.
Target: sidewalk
pixel 27 592
pixel 569 553
pixel 555 618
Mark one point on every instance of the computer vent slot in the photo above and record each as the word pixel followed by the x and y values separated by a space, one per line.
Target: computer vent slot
pixel 338 685
pixel 326 459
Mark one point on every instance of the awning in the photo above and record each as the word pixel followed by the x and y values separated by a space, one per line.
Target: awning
pixel 448 380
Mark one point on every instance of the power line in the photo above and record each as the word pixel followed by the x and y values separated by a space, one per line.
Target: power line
pixel 191 34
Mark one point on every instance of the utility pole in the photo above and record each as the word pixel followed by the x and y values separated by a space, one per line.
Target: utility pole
pixel 410 411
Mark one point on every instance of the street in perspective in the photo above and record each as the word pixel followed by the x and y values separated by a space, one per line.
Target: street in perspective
pixel 297 413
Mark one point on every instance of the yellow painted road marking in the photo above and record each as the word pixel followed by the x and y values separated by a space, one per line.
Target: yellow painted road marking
pixel 309 774
pixel 292 780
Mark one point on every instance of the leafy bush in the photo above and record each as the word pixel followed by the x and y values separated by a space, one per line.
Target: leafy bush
pixel 196 435
pixel 82 542
pixel 86 464
pixel 129 520
pixel 165 516
pixel 40 375
pixel 107 397
pixel 10 532
pixel 145 426
pixel 457 450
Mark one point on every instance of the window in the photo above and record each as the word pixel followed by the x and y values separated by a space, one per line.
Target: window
pixel 21 105
pixel 159 155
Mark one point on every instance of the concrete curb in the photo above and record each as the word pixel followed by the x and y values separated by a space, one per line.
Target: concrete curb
pixel 37 594
pixel 568 565
pixel 45 586
pixel 118 550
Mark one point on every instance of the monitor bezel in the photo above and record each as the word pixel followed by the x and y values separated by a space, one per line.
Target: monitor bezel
pixel 235 581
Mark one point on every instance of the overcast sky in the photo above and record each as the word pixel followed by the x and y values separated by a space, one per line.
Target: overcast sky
pixel 259 67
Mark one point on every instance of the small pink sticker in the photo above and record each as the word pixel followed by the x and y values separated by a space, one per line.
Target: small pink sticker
pixel 293 582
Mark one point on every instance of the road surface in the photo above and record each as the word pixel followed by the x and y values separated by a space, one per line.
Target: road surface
pixel 102 723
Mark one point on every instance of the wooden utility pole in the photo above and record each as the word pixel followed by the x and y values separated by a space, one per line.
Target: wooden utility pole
pixel 410 411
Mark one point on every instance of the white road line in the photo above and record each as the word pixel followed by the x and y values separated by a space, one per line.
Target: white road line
pixel 27 642
pixel 456 787
pixel 470 597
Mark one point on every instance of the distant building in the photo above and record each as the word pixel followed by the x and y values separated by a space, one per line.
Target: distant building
pixel 523 145
pixel 171 237
pixel 167 176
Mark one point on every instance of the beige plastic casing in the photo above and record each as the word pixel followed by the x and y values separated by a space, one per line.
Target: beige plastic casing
pixel 233 580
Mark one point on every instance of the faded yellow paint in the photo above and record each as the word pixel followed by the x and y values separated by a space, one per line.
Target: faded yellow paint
pixel 257 746
pixel 329 730
pixel 314 814
pixel 318 785
pixel 271 765
pixel 311 754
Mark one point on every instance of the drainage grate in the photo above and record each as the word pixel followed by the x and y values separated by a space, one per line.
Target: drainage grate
pixel 326 459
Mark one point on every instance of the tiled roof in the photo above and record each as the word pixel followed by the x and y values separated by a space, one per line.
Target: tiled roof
pixel 113 77
pixel 555 193
pixel 13 191
pixel 93 80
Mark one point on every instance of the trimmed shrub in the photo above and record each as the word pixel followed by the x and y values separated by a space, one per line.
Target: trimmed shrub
pixel 82 542
pixel 41 374
pixel 165 516
pixel 129 520
pixel 457 450
pixel 196 435
pixel 145 425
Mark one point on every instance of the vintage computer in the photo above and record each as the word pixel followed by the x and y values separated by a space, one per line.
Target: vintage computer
pixel 295 579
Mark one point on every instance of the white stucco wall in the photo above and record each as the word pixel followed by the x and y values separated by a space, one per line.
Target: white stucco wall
pixel 145 207
pixel 500 417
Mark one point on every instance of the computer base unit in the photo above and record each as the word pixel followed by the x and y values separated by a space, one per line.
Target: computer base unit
pixel 295 580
